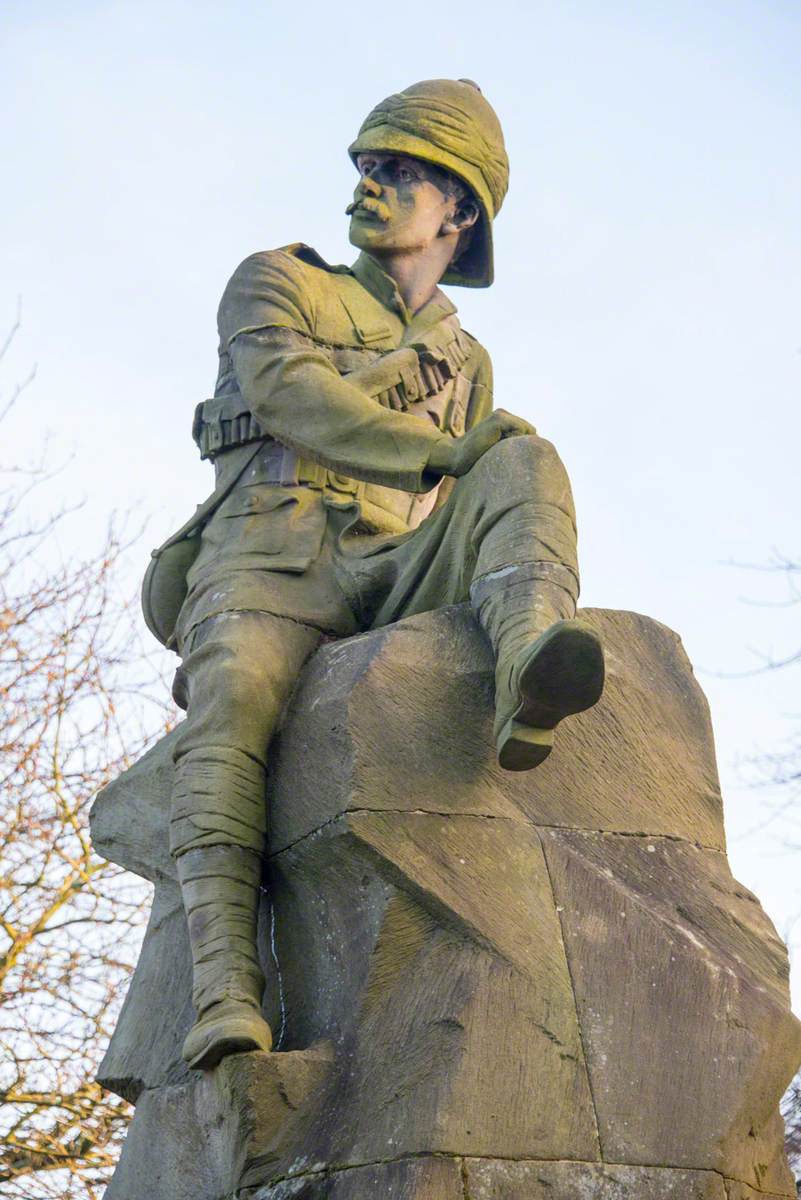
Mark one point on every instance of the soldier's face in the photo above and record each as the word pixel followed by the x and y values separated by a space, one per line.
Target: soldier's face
pixel 400 205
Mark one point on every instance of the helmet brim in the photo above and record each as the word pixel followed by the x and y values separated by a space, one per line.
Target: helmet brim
pixel 475 267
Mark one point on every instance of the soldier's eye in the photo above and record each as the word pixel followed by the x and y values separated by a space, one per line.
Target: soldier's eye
pixel 405 175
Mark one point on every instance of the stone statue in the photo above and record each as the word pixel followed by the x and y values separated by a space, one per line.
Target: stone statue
pixel 362 476
pixel 484 981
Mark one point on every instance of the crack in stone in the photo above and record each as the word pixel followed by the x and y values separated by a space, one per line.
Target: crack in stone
pixel 551 1036
pixel 432 812
pixel 461 1160
pixel 575 1001
pixel 465 1179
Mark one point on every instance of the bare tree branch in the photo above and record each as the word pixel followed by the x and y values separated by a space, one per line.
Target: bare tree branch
pixel 75 710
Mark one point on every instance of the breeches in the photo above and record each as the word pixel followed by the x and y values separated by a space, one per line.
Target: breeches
pixel 513 509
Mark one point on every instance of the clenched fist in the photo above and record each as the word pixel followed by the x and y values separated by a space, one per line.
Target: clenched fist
pixel 458 455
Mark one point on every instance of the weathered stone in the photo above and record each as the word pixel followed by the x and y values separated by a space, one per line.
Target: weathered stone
pixel 129 825
pixel 145 1053
pixel 455 935
pixel 498 1180
pixel 741 1191
pixel 412 1179
pixel 129 817
pixel 197 1140
pixel 420 694
pixel 483 1053
pixel 692 1019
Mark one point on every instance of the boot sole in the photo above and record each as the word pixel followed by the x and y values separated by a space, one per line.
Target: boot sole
pixel 562 675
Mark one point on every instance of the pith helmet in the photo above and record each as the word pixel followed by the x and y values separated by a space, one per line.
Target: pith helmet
pixel 449 123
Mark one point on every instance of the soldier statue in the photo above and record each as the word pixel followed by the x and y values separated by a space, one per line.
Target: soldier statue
pixel 362 476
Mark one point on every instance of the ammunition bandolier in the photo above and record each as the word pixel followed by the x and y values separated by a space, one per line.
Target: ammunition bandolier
pixel 351 327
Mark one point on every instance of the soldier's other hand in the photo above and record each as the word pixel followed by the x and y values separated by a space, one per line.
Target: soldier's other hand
pixel 457 456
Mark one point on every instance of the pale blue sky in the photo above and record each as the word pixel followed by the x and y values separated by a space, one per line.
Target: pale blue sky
pixel 646 314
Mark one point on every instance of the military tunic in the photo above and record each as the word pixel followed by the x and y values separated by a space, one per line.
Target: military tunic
pixel 327 460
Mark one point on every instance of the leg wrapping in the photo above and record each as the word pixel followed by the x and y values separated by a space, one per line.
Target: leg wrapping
pixel 220 886
pixel 515 604
pixel 218 799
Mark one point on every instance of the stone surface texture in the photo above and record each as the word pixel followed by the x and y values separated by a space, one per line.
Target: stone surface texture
pixel 483 986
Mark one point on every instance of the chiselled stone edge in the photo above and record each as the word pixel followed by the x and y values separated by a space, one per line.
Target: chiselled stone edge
pixel 111 852
pixel 141 789
pixel 283 1188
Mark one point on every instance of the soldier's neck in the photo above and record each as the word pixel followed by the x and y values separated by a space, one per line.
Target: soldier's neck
pixel 416 273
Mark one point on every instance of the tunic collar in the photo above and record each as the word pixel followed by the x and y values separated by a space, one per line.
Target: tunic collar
pixel 385 290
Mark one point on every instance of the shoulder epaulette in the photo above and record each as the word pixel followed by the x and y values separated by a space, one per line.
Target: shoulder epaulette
pixel 310 256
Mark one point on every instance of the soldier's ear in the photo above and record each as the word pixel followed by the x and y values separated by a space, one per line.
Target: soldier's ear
pixel 464 217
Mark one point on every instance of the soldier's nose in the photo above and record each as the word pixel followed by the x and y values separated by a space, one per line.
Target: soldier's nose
pixel 369 186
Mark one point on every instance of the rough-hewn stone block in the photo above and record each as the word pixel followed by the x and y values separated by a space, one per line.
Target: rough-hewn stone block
pixel 439 968
pixel 497 1180
pixel 197 1140
pixel 416 1179
pixel 545 985
pixel 418 696
pixel 693 1016
pixel 157 1012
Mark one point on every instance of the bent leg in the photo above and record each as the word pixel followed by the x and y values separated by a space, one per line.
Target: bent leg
pixel 514 509
pixel 238 674
pixel 505 539
pixel 549 665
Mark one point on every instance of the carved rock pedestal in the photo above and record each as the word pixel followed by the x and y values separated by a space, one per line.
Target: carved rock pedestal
pixel 483 986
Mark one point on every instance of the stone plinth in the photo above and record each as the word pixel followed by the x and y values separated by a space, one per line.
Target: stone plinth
pixel 483 986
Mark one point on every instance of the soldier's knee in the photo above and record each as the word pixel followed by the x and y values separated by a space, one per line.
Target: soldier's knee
pixel 234 706
pixel 520 458
pixel 237 677
pixel 529 449
pixel 227 690
pixel 241 683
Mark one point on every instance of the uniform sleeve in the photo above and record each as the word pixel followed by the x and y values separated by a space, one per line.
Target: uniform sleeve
pixel 480 403
pixel 268 290
pixel 300 398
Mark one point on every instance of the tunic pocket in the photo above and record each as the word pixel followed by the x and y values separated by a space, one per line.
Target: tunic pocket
pixel 283 524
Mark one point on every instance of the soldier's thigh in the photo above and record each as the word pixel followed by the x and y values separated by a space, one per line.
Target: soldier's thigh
pixel 436 564
pixel 238 674
pixel 430 568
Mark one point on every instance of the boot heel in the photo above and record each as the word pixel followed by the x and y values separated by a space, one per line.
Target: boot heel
pixel 521 747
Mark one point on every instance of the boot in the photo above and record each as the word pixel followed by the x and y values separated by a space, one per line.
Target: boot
pixel 227 1027
pixel 220 887
pixel 549 664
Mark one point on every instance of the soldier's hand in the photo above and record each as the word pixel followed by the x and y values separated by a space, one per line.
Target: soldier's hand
pixel 457 456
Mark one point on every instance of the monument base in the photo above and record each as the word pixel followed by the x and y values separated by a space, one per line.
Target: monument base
pixel 483 986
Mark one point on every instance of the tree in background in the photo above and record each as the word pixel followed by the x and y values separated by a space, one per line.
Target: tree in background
pixel 783 769
pixel 791 1110
pixel 779 771
pixel 71 718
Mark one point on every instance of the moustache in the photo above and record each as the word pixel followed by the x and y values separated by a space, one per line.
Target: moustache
pixel 370 204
